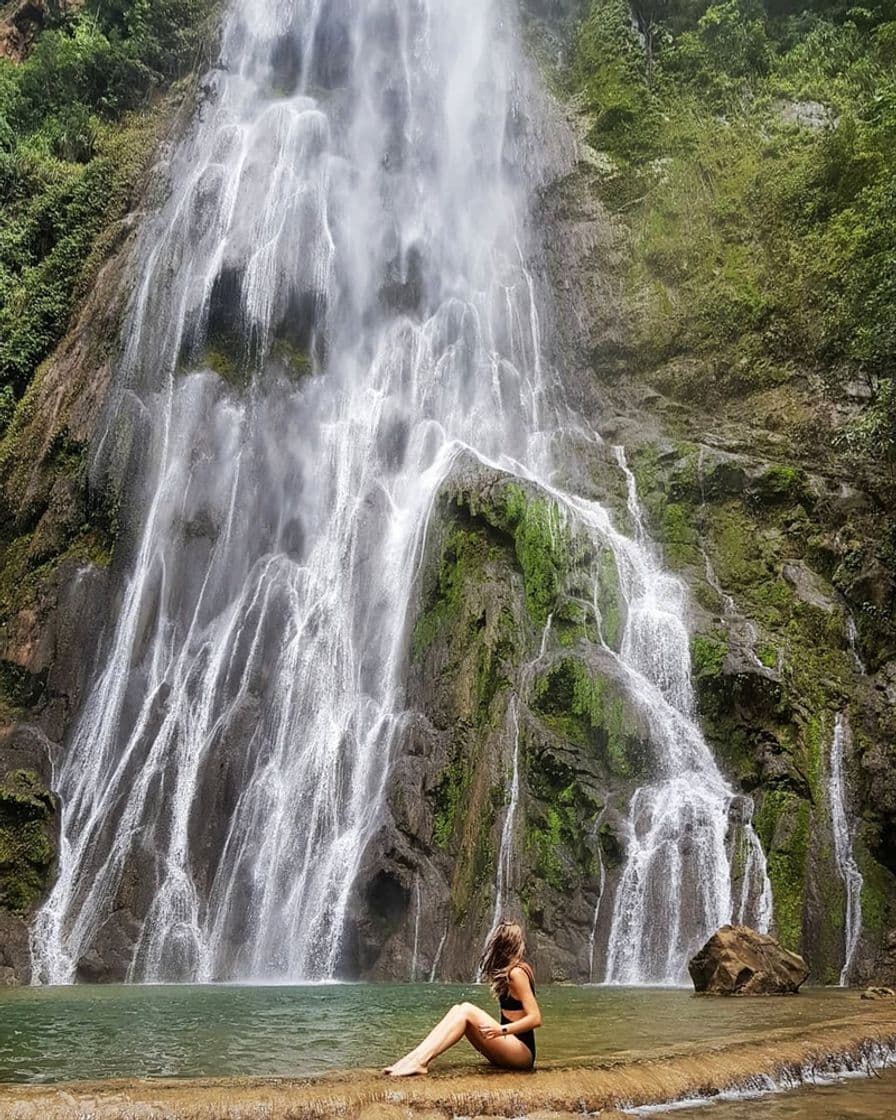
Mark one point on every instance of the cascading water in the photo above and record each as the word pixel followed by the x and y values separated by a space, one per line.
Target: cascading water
pixel 346 207
pixel 335 302
pixel 843 851
pixel 417 908
pixel 505 852
pixel 602 886
pixel 679 880
pixel 503 880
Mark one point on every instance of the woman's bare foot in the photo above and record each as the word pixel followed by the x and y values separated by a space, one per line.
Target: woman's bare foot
pixel 408 1066
pixel 408 1069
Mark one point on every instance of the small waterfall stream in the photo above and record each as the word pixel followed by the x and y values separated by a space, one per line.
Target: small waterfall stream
pixel 852 636
pixel 339 299
pixel 503 881
pixel 676 886
pixel 416 947
pixel 602 886
pixel 843 850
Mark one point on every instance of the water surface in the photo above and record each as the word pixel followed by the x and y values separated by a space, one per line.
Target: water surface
pixel 91 1033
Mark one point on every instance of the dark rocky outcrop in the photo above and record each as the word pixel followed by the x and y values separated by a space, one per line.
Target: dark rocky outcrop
pixel 482 672
pixel 23 20
pixel 776 540
pixel 28 842
pixel 738 961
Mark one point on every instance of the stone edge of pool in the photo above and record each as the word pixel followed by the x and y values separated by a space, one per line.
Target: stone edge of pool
pixel 862 1042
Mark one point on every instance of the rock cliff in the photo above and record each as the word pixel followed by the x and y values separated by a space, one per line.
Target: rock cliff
pixel 777 536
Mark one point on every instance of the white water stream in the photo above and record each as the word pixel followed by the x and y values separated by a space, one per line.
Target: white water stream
pixel 602 886
pixel 843 850
pixel 676 885
pixel 338 299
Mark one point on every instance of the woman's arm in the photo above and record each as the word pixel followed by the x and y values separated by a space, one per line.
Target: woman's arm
pixel 521 989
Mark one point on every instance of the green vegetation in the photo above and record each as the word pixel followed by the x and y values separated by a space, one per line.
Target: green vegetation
pixel 477 631
pixel 783 826
pixel 558 821
pixel 27 849
pixel 584 708
pixel 77 127
pixel 447 797
pixel 609 599
pixel 542 549
pixel 877 909
pixel 708 656
pixel 753 152
pixel 548 838
pixel 461 561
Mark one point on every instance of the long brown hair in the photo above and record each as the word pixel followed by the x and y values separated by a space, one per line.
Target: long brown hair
pixel 504 951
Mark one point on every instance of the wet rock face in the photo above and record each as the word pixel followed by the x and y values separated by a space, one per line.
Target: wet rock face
pixel 502 662
pixel 28 820
pixel 22 22
pixel 738 961
pixel 782 644
pixel 15 957
pixel 878 993
pixel 29 827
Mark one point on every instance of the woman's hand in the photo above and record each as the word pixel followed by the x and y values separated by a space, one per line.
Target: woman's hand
pixel 491 1032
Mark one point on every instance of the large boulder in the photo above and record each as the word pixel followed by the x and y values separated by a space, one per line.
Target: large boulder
pixel 738 961
pixel 878 993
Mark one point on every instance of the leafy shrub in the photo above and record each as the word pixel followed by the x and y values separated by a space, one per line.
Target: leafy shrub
pixel 763 244
pixel 74 136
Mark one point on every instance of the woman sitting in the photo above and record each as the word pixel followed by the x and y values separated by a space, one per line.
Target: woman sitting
pixel 510 1043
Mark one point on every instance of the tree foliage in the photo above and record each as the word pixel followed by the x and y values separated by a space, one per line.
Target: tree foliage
pixel 755 155
pixel 73 137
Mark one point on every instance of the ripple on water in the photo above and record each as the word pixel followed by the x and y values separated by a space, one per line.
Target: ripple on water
pixel 61 1034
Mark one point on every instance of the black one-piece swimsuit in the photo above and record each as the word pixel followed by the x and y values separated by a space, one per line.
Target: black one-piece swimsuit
pixel 508 1003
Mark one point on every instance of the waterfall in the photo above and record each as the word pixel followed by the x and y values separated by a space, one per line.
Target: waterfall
pixel 339 298
pixel 754 872
pixel 414 952
pixel 437 960
pixel 676 885
pixel 843 850
pixel 602 886
pixel 852 637
pixel 506 850
pixel 505 853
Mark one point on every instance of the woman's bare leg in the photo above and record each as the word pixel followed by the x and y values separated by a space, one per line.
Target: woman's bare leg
pixel 464 1019
pixel 445 1034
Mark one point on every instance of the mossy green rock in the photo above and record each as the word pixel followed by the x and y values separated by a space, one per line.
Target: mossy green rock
pixel 27 841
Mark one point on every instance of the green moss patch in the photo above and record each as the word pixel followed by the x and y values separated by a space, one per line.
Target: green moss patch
pixel 609 599
pixel 462 561
pixel 542 548
pixel 27 848
pixel 783 826
pixel 708 656
pixel 558 820
pixel 586 709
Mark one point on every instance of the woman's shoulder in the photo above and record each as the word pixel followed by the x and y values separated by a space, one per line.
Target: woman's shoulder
pixel 523 969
